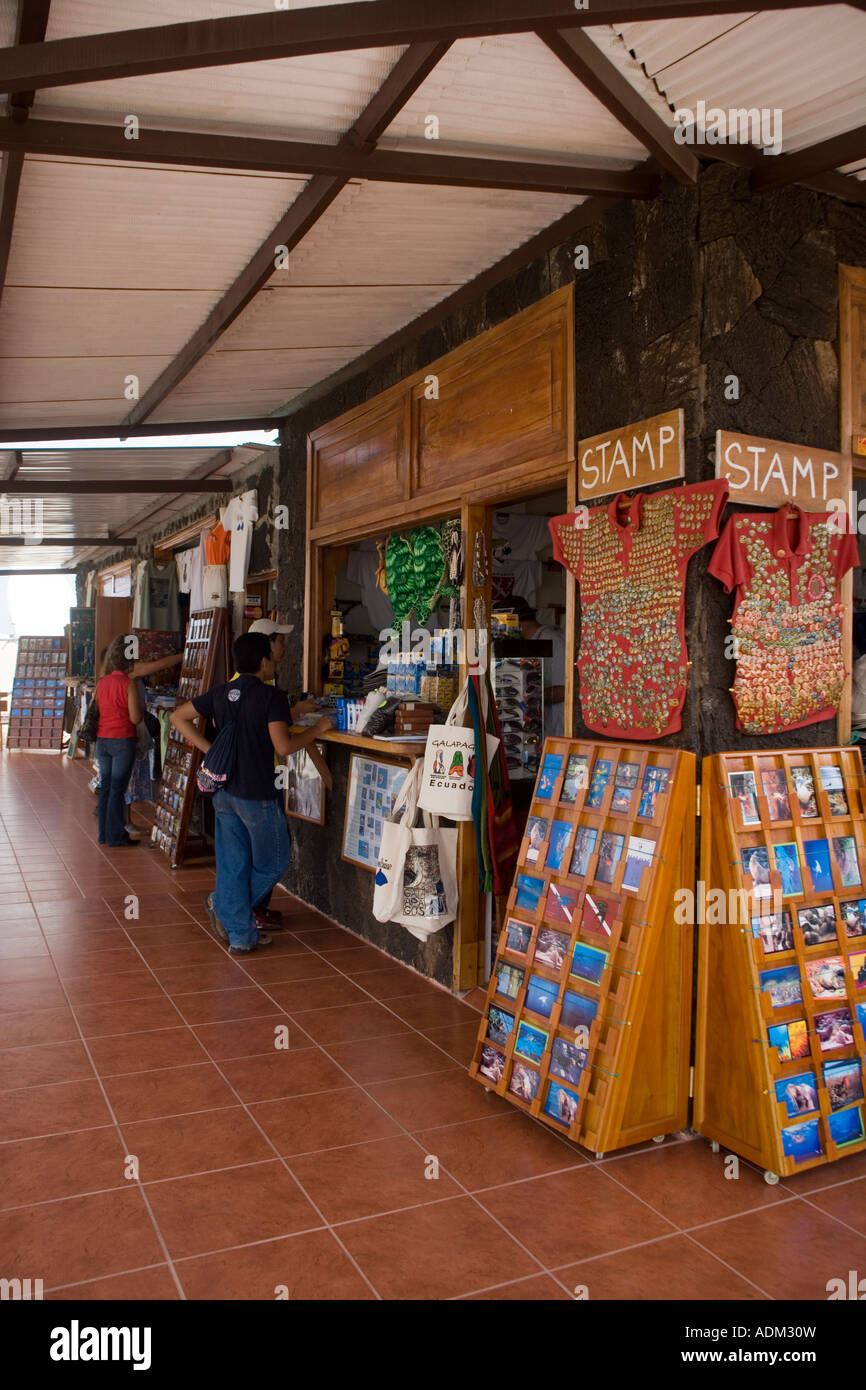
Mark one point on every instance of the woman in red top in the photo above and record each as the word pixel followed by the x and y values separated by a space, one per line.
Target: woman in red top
pixel 119 712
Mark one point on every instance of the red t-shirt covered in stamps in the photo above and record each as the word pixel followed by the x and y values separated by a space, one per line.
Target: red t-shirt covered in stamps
pixel 630 560
pixel 786 567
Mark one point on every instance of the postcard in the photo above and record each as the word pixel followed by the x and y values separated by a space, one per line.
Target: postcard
pixel 536 833
pixel 845 851
pixel 550 770
pixel 499 1025
pixel 509 980
pixel 576 778
pixel 639 856
pixel 609 854
pixel 756 863
pixel 567 1061
pixel 530 1043
pixel 861 1016
pixel 577 1013
pixel 524 1082
pixel 744 789
pixel 775 930
pixel 799 1093
pixel 834 1029
pixel 551 948
pixel 624 782
pixel 597 916
pixel 560 838
pixel 541 995
pixel 787 863
pixel 561 1105
pixel 782 985
pixel 857 966
pixel 802 1141
pixel 846 1127
pixel 492 1064
pixel 831 781
pixel 818 924
pixel 517 936
pixel 655 783
pixel 588 963
pixel 827 977
pixel 791 1040
pixel 600 779
pixel 776 791
pixel 817 856
pixel 844 1082
pixel 561 904
pixel 529 891
pixel 854 916
pixel 584 844
pixel 804 790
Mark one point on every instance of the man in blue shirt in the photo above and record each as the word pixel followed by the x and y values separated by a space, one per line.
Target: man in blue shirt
pixel 252 838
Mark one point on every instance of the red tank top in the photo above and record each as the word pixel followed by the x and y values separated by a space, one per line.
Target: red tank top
pixel 114 720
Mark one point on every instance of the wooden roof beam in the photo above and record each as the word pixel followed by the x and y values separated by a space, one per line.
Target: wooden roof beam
pixel 779 170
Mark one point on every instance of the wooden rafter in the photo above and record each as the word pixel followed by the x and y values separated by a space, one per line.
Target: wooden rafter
pixel 776 172
pixel 32 23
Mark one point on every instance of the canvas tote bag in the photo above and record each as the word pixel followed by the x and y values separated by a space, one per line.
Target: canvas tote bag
pixel 416 873
pixel 396 839
pixel 449 764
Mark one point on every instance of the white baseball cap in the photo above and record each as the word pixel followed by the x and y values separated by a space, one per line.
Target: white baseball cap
pixel 271 629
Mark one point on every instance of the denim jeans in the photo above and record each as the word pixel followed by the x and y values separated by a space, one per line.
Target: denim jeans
pixel 253 849
pixel 114 757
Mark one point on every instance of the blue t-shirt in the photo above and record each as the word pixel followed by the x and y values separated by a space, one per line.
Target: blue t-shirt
pixel 255 707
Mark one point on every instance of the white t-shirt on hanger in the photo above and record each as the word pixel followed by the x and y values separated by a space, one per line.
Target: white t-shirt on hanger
pixel 238 519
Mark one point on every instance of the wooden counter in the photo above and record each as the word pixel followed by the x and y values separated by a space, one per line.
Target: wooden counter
pixel 382 747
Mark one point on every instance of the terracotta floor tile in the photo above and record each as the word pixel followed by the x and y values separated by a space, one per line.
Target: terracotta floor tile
pixel 306 1123
pixel 223 1005
pixel 20 947
pixel 299 996
pixel 686 1183
pixel 673 1270
pixel 251 1037
pixel 394 983
pixel 350 1022
pixel 444 1098
pixel 459 1041
pixel 541 1289
pixel 150 1095
pixel 366 1179
pixel 52 1109
pixel 312 1267
pixel 440 1011
pixel 63 1165
pixel 846 1203
pixel 85 964
pixel 573 1216
pixel 359 960
pixel 76 909
pixel 135 1052
pixel 769 1247
pixel 39 1066
pixel 215 974
pixel 40 1026
pixel 142 1286
pixel 22 996
pixel 853 1166
pixel 330 939
pixel 179 934
pixel 217 1210
pixel 185 1144
pixel 202 951
pixel 82 1238
pixel 273 970
pixel 117 986
pixel 386 1059
pixel 434 1252
pixel 276 1075
pixel 501 1149
pixel 131 1016
pixel 284 944
pixel 26 968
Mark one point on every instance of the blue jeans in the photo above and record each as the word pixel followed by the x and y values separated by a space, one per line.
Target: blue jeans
pixel 114 757
pixel 253 849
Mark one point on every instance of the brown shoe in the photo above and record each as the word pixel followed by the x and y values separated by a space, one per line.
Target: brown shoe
pixel 264 940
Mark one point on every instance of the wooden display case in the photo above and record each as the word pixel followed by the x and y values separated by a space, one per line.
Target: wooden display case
pixel 634 962
pixel 751 971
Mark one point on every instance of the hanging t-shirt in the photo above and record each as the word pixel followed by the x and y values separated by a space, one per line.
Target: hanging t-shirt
pixel 238 519
pixel 217 545
pixel 786 568
pixel 139 592
pixel 515 567
pixel 160 610
pixel 182 560
pixel 630 560
pixel 196 571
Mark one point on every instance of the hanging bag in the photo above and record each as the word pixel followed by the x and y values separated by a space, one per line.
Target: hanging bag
pixel 219 761
pixel 449 764
pixel 416 873
pixel 395 842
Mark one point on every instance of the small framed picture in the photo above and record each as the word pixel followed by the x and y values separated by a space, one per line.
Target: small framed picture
pixel 562 903
pixel 826 977
pixel 818 924
pixel 500 1024
pixel 517 936
pixel 846 1127
pixel 802 1141
pixel 561 1105
pixel 799 1093
pixel 531 1042
pixel 588 963
pixel 782 985
pixel 541 995
pixel 305 790
pixel 567 1060
pixel 551 948
pixel 492 1063
pixel 524 1082
pixel 845 852
pixel 844 1082
pixel 509 980
pixel 744 789
pixel 834 1029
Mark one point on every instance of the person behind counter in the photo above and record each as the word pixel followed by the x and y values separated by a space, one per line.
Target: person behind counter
pixel 252 837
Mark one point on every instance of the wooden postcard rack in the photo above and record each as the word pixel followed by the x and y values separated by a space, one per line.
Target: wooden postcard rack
pixel 206 659
pixel 587 1022
pixel 789 1099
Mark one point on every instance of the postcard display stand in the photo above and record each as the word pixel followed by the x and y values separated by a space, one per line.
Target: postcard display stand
pixel 793 1099
pixel 205 664
pixel 38 694
pixel 591 987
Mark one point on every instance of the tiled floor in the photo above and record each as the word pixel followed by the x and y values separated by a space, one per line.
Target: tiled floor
pixel 157 1142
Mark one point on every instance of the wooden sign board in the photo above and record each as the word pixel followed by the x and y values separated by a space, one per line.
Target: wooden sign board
pixel 770 472
pixel 650 451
